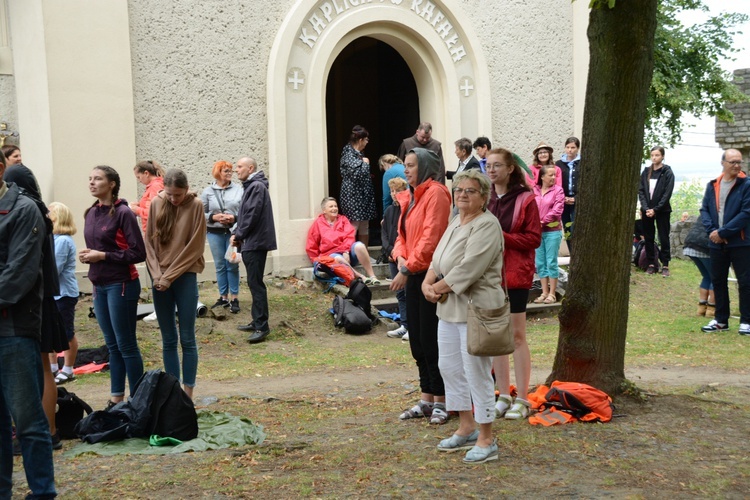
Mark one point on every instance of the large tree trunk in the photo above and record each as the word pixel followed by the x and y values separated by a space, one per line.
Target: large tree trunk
pixel 594 316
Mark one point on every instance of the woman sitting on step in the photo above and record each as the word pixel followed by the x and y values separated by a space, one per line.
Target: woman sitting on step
pixel 332 234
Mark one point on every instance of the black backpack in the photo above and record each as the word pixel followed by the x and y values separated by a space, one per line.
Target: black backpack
pixel 158 406
pixel 353 311
pixel 70 410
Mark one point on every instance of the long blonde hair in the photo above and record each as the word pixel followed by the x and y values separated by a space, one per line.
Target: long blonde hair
pixel 165 220
pixel 62 219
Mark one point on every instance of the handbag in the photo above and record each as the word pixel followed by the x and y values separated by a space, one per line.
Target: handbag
pixel 232 256
pixel 488 331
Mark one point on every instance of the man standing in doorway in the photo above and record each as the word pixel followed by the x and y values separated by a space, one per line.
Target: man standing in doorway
pixel 725 214
pixel 255 236
pixel 423 139
pixel 482 146
pixel 22 234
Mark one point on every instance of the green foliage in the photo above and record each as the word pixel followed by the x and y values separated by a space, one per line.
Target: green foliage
pixel 688 78
pixel 600 4
pixel 687 198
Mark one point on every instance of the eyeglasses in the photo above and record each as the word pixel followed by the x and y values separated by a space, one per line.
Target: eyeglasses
pixel 495 165
pixel 226 171
pixel 468 191
pixel 735 163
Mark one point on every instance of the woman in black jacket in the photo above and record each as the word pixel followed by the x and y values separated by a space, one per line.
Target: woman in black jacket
pixel 654 192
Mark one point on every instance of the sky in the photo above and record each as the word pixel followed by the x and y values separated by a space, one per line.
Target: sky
pixel 698 155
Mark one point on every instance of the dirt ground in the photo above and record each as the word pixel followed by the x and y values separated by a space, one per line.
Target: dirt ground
pixel 334 432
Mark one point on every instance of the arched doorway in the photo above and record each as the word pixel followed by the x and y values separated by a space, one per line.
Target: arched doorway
pixel 371 85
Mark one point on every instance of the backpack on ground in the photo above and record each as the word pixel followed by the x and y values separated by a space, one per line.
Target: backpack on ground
pixel 158 406
pixel 327 270
pixel 353 311
pixel 350 317
pixel 640 257
pixel 70 410
pixel 570 402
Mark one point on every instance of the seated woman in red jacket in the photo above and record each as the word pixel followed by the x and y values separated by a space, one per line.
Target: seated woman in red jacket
pixel 332 234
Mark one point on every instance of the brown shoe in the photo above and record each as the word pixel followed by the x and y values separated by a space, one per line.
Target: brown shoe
pixel 702 306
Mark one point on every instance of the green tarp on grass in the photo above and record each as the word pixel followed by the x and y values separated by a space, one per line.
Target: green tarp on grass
pixel 216 430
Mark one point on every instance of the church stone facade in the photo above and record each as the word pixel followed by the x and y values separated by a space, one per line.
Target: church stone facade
pixel 187 83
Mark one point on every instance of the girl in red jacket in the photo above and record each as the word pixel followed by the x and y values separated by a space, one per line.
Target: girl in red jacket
pixel 513 203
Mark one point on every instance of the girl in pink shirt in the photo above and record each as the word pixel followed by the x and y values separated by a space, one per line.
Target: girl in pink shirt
pixel 551 199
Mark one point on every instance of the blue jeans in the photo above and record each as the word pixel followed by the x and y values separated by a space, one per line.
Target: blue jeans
pixel 546 254
pixel 400 296
pixel 704 266
pixel 115 307
pixel 227 274
pixel 21 389
pixel 182 294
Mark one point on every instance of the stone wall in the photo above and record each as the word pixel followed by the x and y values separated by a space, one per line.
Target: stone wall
pixel 737 135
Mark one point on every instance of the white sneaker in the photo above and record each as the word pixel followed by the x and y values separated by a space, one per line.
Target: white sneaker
pixel 744 328
pixel 397 333
pixel 150 317
pixel 405 338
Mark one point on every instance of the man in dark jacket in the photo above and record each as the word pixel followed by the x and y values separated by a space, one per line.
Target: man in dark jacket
pixel 423 139
pixel 255 236
pixel 22 234
pixel 725 214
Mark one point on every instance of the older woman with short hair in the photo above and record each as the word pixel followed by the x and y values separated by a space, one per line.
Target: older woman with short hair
pixel 467 266
pixel 332 234
pixel 221 203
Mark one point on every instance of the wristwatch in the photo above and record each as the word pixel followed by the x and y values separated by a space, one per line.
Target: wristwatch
pixel 404 270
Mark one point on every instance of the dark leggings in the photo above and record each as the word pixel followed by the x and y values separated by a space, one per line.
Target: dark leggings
pixel 423 324
pixel 661 221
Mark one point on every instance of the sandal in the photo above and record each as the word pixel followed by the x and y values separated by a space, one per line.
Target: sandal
pixel 372 280
pixel 519 410
pixel 439 416
pixel 63 377
pixel 540 299
pixel 416 411
pixel 503 404
pixel 550 299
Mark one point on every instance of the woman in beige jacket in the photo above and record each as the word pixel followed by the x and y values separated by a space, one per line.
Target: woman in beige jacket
pixel 467 265
pixel 175 239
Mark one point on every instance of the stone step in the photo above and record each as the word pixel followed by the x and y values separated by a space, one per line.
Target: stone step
pixel 382 271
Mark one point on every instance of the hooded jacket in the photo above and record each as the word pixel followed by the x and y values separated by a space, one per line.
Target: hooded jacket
pixel 324 239
pixel 425 211
pixel 117 235
pixel 22 236
pixel 659 202
pixel 221 200
pixel 142 209
pixel 522 238
pixel 255 228
pixel 736 228
pixel 184 251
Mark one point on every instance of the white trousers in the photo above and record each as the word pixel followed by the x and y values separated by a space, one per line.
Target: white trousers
pixel 467 378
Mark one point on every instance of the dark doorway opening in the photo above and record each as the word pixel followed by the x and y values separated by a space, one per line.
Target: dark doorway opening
pixel 371 85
